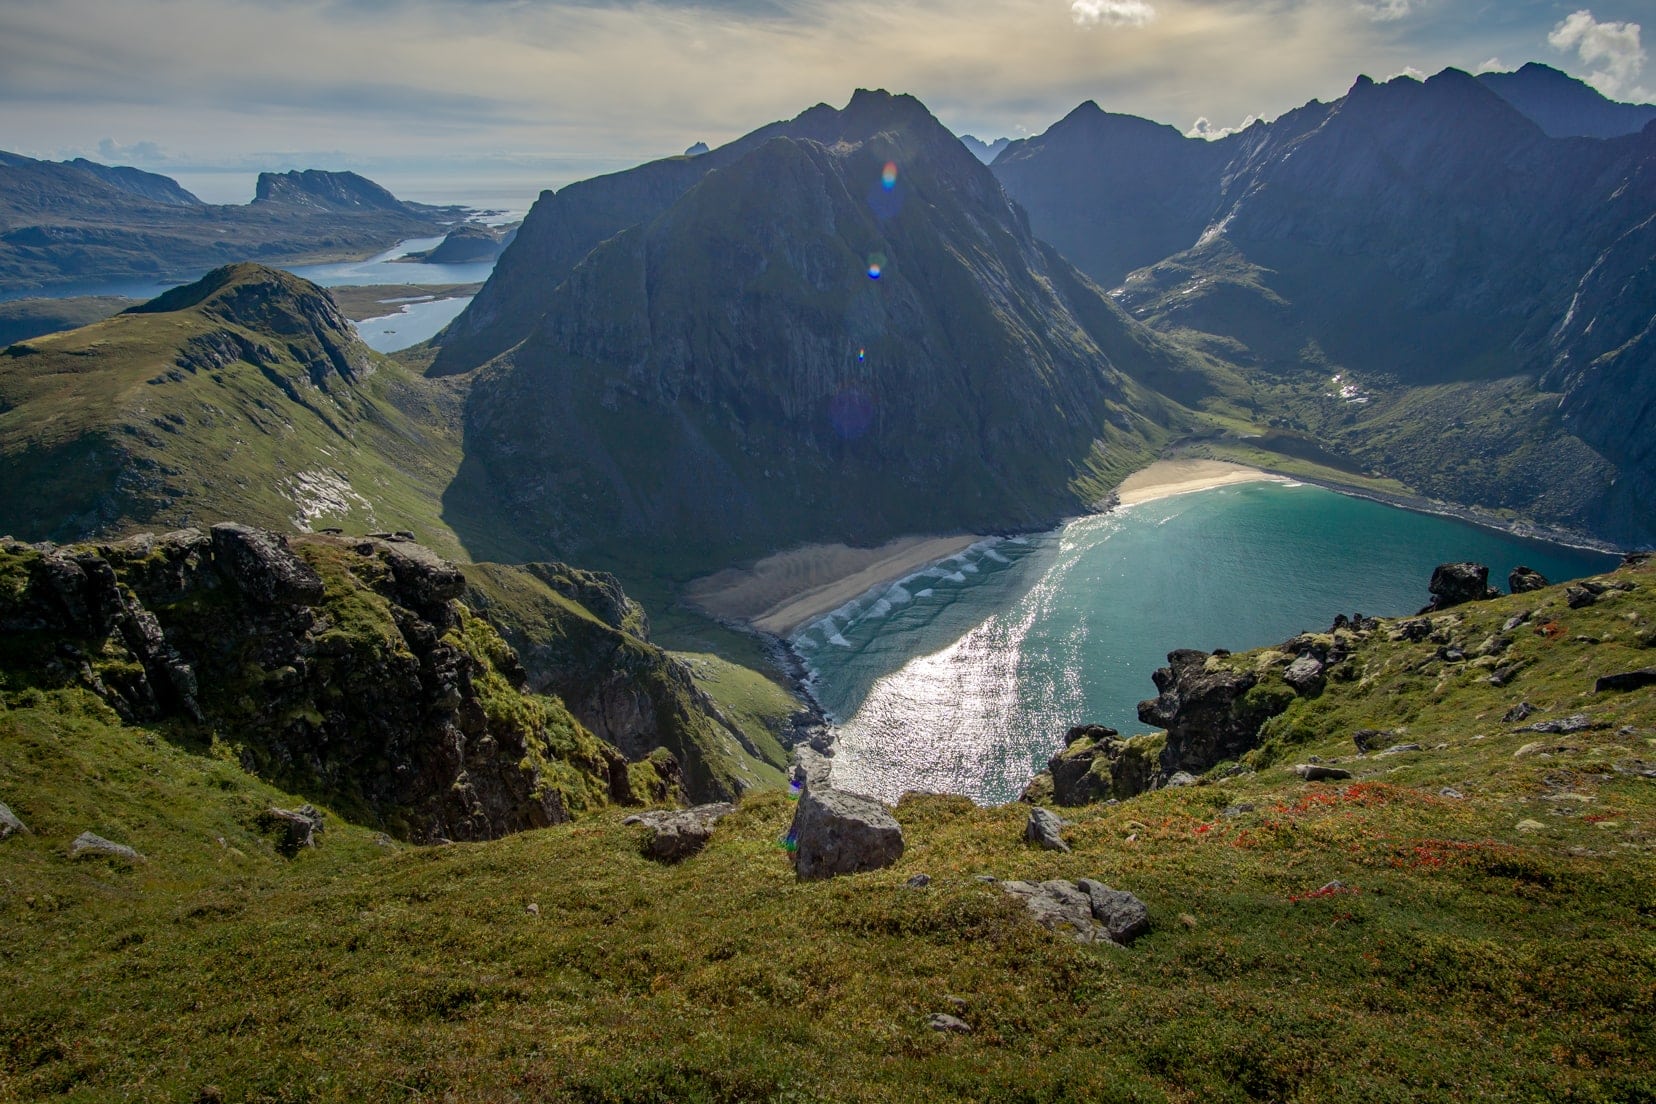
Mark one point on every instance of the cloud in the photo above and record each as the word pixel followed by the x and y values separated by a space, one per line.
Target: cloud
pixel 1202 128
pixel 1492 65
pixel 1385 11
pixel 1613 47
pixel 112 152
pixel 1111 13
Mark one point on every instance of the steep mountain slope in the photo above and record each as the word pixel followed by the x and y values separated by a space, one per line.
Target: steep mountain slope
pixel 846 340
pixel 245 395
pixel 1469 919
pixel 62 222
pixel 1429 250
pixel 1565 107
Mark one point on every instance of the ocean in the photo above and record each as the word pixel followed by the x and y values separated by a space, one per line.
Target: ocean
pixel 965 677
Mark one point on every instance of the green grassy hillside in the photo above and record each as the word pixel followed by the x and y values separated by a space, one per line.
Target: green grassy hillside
pixel 1491 935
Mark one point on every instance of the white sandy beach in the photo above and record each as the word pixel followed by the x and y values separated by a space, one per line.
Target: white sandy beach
pixel 1166 478
pixel 788 589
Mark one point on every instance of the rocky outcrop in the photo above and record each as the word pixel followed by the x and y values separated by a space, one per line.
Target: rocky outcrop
pixel 340 668
pixel 1454 584
pixel 1043 828
pixel 1086 911
pixel 1205 707
pixel 674 836
pixel 1522 580
pixel 839 832
pixel 10 824
pixel 465 244
pixel 296 829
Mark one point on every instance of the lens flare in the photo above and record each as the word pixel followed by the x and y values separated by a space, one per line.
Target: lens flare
pixel 876 265
pixel 874 271
pixel 888 176
pixel 862 354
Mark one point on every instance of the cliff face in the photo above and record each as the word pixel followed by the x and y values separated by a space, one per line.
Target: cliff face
pixel 341 669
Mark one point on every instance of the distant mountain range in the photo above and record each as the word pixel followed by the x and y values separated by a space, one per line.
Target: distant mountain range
pixel 69 221
pixel 1481 290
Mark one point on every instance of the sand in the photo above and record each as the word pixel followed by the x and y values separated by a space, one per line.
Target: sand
pixel 789 589
pixel 1166 478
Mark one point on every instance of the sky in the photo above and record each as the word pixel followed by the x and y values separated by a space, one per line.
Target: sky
pixel 548 91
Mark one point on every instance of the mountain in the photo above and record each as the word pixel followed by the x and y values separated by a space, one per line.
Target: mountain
pixel 145 185
pixel 246 395
pixel 326 191
pixel 1426 247
pixel 1565 107
pixel 841 330
pixel 68 222
pixel 984 151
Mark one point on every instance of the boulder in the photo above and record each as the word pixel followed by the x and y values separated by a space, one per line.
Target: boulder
pixel 1626 680
pixel 299 827
pixel 1321 772
pixel 9 824
pixel 1455 584
pixel 942 1021
pixel 811 769
pixel 1124 916
pixel 839 832
pixel 1575 722
pixel 675 835
pixel 1578 596
pixel 1522 580
pixel 1304 674
pixel 88 844
pixel 1043 827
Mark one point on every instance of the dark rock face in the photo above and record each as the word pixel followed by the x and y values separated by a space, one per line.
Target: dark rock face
pixel 1204 707
pixel 1097 764
pixel 1456 583
pixel 372 688
pixel 1522 580
pixel 839 832
pixel 1626 680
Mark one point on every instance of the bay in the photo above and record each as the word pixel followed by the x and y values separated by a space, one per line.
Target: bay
pixel 964 678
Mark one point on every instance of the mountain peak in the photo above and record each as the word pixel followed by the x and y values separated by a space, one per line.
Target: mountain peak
pixel 1565 107
pixel 321 189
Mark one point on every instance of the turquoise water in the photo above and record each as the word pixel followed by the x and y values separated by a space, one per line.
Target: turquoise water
pixel 964 678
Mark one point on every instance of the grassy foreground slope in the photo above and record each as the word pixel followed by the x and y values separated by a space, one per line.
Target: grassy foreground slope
pixel 1496 945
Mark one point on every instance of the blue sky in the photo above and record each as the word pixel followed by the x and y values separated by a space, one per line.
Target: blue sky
pixel 564 89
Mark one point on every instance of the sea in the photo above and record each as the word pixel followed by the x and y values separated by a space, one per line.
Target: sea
pixel 964 677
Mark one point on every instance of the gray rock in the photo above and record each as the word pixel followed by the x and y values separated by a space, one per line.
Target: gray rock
pixel 88 844
pixel 919 881
pixel 1367 738
pixel 839 832
pixel 1504 674
pixel 9 824
pixel 1181 779
pixel 1519 712
pixel 1321 772
pixel 1059 907
pixel 1450 792
pixel 1397 749
pixel 676 834
pixel 1523 579
pixel 1239 809
pixel 1626 680
pixel 942 1021
pixel 299 827
pixel 1515 620
pixel 1575 722
pixel 1123 916
pixel 1304 674
pixel 1043 827
pixel 811 768
pixel 1578 596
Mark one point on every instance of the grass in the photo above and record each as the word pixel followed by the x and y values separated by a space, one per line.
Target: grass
pixel 1466 956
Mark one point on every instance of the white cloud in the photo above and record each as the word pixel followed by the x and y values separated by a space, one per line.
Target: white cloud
pixel 112 152
pixel 1384 11
pixel 1408 71
pixel 1202 128
pixel 1492 65
pixel 1613 47
pixel 1112 13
